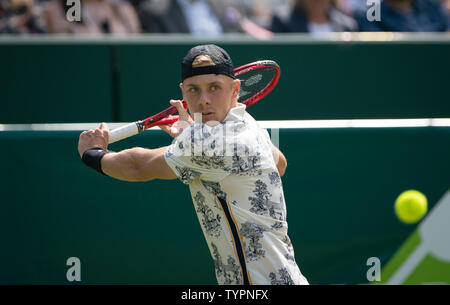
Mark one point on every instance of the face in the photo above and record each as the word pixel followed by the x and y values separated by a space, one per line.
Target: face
pixel 212 95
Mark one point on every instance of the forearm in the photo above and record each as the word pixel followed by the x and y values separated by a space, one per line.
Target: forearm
pixel 131 164
pixel 121 165
pixel 135 164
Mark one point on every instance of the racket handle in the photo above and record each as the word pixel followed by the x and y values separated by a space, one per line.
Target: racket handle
pixel 135 128
pixel 125 131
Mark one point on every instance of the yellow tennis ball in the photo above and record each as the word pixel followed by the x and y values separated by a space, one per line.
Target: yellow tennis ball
pixel 411 206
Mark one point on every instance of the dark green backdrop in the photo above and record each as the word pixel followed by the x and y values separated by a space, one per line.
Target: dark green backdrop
pixel 89 81
pixel 340 184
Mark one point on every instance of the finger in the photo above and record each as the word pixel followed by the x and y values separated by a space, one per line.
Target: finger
pixel 170 129
pixel 166 128
pixel 181 124
pixel 183 114
pixel 175 131
pixel 103 126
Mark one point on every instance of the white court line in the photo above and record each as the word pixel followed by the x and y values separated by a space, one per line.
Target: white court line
pixel 357 123
pixel 301 124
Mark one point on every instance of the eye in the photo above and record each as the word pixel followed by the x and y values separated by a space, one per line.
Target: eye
pixel 215 88
pixel 193 89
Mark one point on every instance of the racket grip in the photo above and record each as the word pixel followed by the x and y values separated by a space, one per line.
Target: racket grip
pixel 125 131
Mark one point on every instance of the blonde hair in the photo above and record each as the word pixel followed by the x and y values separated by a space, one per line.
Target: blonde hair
pixel 203 60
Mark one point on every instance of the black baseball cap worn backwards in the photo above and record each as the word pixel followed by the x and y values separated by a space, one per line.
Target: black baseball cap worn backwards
pixel 222 62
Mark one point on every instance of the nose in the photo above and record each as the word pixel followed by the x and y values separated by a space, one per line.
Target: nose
pixel 204 99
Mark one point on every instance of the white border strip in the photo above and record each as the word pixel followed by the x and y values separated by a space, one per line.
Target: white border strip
pixel 357 123
pixel 279 38
pixel 289 124
pixel 368 123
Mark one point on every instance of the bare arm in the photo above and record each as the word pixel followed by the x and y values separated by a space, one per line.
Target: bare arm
pixel 280 160
pixel 135 164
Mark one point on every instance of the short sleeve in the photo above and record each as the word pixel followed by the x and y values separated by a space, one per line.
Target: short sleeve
pixel 196 154
pixel 265 140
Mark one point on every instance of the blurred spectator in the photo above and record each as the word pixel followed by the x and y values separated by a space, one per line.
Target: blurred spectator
pixel 97 17
pixel 446 7
pixel 261 11
pixel 352 7
pixel 198 17
pixel 446 4
pixel 260 14
pixel 313 16
pixel 407 16
pixel 21 17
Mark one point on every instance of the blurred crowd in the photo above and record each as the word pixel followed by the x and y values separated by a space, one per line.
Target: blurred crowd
pixel 205 18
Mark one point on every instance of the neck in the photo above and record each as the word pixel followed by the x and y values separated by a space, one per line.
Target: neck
pixel 233 104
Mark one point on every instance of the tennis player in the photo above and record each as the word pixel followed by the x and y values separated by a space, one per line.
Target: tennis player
pixel 230 165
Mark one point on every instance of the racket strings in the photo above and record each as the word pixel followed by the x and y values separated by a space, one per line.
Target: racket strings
pixel 254 82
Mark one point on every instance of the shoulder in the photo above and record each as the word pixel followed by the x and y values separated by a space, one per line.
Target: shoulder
pixel 202 145
pixel 199 134
pixel 221 146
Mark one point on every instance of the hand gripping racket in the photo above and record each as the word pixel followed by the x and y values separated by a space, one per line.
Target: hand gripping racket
pixel 257 80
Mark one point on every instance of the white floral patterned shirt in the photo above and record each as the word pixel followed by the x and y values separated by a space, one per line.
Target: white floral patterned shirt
pixel 238 196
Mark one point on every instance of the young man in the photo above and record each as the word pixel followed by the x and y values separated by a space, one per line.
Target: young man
pixel 232 169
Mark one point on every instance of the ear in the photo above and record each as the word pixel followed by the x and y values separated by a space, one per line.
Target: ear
pixel 182 92
pixel 182 89
pixel 236 89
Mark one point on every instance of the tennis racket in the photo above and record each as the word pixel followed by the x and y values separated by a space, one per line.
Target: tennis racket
pixel 257 80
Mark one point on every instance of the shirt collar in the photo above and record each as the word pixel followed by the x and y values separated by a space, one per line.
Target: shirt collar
pixel 236 113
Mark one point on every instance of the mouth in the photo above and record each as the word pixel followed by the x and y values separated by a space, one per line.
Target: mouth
pixel 207 113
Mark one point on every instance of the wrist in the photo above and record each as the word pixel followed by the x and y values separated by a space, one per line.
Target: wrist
pixel 92 158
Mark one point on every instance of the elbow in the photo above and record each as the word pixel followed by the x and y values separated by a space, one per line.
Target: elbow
pixel 136 171
pixel 136 175
pixel 281 162
pixel 142 176
pixel 282 169
pixel 130 175
pixel 281 165
pixel 140 173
